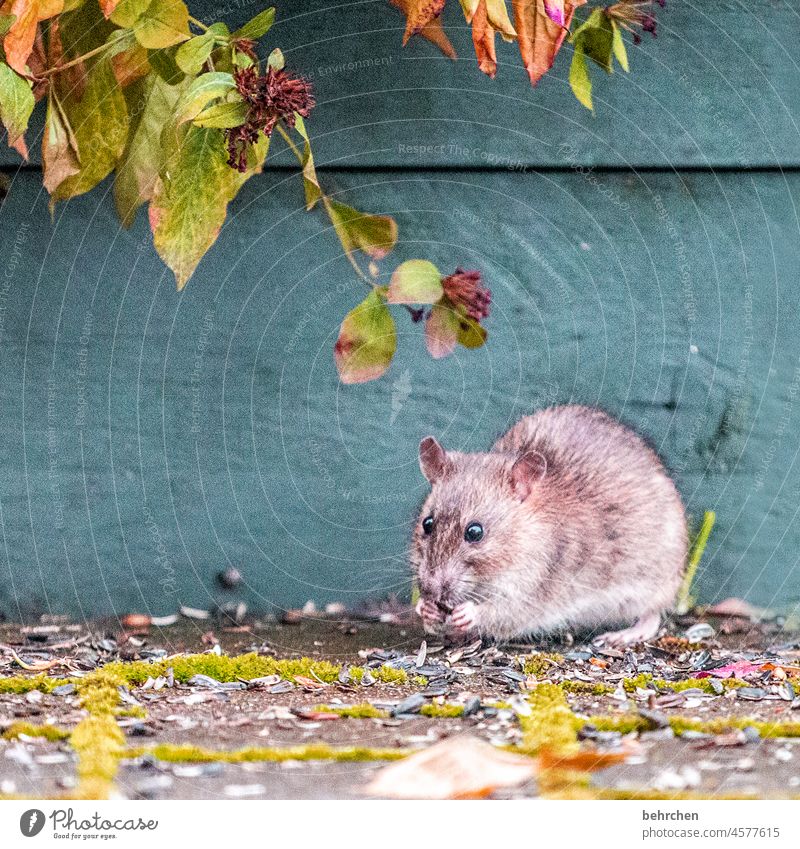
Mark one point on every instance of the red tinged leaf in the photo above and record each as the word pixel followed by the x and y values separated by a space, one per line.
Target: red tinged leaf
pixel 367 341
pixel 420 13
pixel 431 31
pixel 107 7
pixel 441 330
pixel 540 35
pixel 59 148
pixel 483 39
pixel 18 42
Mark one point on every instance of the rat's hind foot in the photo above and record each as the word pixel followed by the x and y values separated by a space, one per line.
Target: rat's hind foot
pixel 464 617
pixel 643 629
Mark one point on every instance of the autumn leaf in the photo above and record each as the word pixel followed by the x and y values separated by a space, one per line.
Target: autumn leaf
pixel 192 54
pixel 202 91
pixel 419 13
pixel 99 120
pixel 416 281
pixel 461 767
pixel 191 198
pixel 432 31
pixel 18 42
pixel 540 35
pixel 375 235
pixel 483 40
pixel 16 105
pixel 143 158
pixel 59 148
pixel 367 341
pixel 107 7
pixel 441 330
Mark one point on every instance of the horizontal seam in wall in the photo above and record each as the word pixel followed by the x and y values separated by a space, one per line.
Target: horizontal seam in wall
pixel 522 167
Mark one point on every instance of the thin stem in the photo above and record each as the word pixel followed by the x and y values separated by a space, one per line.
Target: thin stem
pixel 76 61
pixel 296 151
pixel 198 24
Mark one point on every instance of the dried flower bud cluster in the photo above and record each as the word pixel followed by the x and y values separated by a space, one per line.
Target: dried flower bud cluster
pixel 466 289
pixel 271 97
pixel 634 15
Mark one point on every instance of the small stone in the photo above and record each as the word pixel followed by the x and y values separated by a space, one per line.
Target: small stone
pixel 229 578
pixel 699 632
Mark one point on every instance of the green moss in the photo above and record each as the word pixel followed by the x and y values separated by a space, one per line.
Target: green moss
pixel 631 722
pixel 539 663
pixel 444 711
pixel 223 668
pixel 382 674
pixel 49 732
pixel 361 711
pixel 19 684
pixel 312 752
pixel 419 681
pixel 646 680
pixel 589 688
pixel 551 724
pixel 98 743
pixel 134 712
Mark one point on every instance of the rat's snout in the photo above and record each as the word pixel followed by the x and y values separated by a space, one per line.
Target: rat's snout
pixel 441 591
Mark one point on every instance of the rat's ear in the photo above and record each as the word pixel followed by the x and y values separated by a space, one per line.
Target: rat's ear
pixel 432 459
pixel 526 472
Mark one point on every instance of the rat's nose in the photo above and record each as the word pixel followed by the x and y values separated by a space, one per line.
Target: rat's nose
pixel 444 606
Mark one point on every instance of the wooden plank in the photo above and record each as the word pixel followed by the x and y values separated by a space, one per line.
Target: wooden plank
pixel 149 438
pixel 719 86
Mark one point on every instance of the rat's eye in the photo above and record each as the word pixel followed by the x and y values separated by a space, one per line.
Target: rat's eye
pixel 474 532
pixel 427 525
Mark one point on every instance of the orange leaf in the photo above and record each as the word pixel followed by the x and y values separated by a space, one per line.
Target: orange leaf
pixel 461 767
pixel 107 7
pixel 431 31
pixel 540 37
pixel 419 13
pixel 483 39
pixel 19 39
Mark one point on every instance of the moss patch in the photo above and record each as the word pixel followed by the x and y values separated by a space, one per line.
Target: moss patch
pixel 446 711
pixel 646 680
pixel 629 723
pixel 49 732
pixel 20 684
pixel 551 724
pixel 362 711
pixel 540 663
pixel 312 752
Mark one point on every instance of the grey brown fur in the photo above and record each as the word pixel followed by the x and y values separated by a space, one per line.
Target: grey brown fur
pixel 583 528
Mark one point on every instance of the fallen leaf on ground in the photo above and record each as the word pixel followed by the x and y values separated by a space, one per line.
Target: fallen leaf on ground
pixel 457 768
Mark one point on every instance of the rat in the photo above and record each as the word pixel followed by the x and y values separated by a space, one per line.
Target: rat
pixel 569 522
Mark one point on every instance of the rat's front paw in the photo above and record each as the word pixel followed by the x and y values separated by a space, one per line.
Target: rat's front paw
pixel 430 614
pixel 464 617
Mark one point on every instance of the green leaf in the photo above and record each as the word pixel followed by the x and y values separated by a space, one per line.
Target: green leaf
pixel 155 23
pixel 596 37
pixel 620 52
pixel 6 22
pixel 201 92
pixel 258 26
pixel 442 329
pixel 375 235
pixel 223 115
pixel 311 186
pixel 470 333
pixel 166 22
pixel 100 123
pixel 191 199
pixel 137 173
pixel 579 80
pixel 276 60
pixel 415 281
pixel 16 103
pixel 164 64
pixel 193 54
pixel 367 341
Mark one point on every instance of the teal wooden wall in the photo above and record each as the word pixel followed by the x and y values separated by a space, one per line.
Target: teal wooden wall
pixel 644 259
